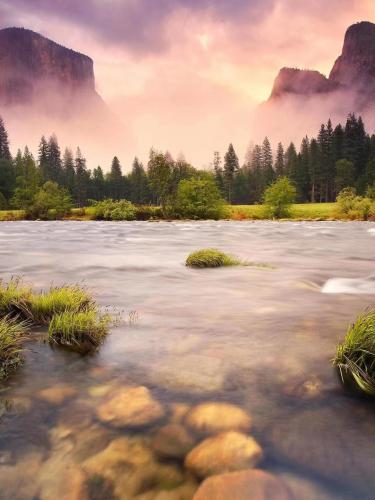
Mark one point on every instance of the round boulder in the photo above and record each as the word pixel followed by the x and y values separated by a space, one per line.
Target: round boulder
pixel 130 407
pixel 249 484
pixel 226 452
pixel 173 441
pixel 212 418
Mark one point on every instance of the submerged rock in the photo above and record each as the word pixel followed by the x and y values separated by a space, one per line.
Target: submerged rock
pixel 228 451
pixel 212 418
pixel 178 412
pixel 129 466
pixel 63 479
pixel 130 407
pixel 336 443
pixel 306 488
pixel 57 394
pixel 184 492
pixel 192 373
pixel 249 484
pixel 308 388
pixel 173 441
pixel 18 480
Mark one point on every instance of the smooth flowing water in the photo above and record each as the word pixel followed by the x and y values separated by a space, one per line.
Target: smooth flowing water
pixel 259 338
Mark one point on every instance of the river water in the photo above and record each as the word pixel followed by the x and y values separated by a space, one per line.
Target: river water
pixel 259 338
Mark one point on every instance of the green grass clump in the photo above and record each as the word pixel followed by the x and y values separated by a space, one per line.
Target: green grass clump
pixel 82 331
pixel 211 257
pixel 13 296
pixel 12 333
pixel 355 356
pixel 40 308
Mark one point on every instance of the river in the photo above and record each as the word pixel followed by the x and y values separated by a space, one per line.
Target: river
pixel 261 338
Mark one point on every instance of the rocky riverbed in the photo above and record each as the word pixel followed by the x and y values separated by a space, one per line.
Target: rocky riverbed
pixel 215 384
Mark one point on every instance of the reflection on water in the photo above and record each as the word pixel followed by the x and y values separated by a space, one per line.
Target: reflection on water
pixel 260 339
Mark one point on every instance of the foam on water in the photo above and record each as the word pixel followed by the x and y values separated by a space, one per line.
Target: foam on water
pixel 349 285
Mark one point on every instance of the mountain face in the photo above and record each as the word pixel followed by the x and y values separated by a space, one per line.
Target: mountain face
pixel 300 82
pixel 353 71
pixel 32 67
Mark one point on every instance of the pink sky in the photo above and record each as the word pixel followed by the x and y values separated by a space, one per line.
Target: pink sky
pixel 186 75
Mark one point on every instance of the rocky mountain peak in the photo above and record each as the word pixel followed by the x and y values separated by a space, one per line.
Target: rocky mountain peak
pixel 354 70
pixel 29 62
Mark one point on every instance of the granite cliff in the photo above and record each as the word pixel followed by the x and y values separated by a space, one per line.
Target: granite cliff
pixel 32 66
pixel 353 71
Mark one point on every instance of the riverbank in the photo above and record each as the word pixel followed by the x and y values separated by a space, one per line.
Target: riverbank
pixel 301 211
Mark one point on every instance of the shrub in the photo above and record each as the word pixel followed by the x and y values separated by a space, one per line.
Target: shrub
pixel 50 203
pixel 13 296
pixel 113 210
pixel 41 307
pixel 147 212
pixel 199 199
pixel 370 193
pixel 210 257
pixel 355 356
pixel 353 207
pixel 279 197
pixel 82 331
pixel 12 332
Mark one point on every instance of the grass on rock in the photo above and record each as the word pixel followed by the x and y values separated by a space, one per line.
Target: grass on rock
pixel 82 330
pixel 13 295
pixel 40 308
pixel 12 333
pixel 211 257
pixel 355 356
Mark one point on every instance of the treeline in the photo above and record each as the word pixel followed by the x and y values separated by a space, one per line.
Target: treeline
pixel 22 177
pixel 338 157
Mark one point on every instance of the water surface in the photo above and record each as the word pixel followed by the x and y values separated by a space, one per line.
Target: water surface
pixel 259 338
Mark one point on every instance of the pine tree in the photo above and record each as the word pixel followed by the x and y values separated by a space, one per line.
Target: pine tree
pixel 43 157
pixel 68 171
pixel 267 162
pixel 279 163
pixel 81 179
pixel 291 162
pixel 4 142
pixel 338 143
pixel 257 173
pixel 138 183
pixel 231 166
pixel 54 164
pixel 218 170
pixel 314 168
pixel 303 171
pixel 116 180
pixel 97 185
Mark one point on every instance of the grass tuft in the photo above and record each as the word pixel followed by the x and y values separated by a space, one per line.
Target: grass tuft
pixel 355 356
pixel 211 257
pixel 40 308
pixel 12 333
pixel 13 296
pixel 82 330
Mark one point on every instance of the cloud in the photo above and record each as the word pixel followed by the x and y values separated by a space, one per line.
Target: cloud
pixel 187 74
pixel 137 24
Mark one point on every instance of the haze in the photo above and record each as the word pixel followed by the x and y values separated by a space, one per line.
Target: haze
pixel 187 75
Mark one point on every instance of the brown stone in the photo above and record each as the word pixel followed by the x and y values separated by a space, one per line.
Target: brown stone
pixel 244 485
pixel 226 452
pixel 173 441
pixel 212 418
pixel 57 394
pixel 130 407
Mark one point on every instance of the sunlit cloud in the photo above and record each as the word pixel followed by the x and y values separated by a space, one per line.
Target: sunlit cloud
pixel 187 74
